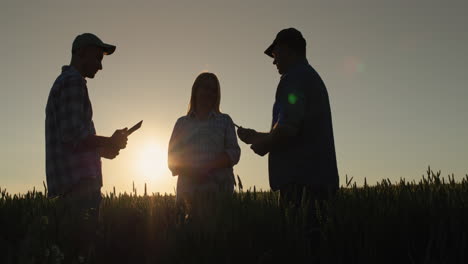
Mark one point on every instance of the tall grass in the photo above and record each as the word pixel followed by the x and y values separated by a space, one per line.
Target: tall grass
pixel 401 222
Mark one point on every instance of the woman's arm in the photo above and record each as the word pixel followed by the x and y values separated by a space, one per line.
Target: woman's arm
pixel 221 161
pixel 174 158
pixel 231 154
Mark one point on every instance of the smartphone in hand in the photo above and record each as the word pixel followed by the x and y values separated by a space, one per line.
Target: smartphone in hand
pixel 134 128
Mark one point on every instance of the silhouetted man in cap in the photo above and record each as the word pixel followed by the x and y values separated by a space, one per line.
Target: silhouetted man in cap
pixel 300 143
pixel 73 150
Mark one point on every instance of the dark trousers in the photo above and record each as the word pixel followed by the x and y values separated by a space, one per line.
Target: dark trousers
pixel 80 213
pixel 311 198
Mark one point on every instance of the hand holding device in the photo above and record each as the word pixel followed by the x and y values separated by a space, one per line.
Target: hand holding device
pixel 119 138
pixel 246 134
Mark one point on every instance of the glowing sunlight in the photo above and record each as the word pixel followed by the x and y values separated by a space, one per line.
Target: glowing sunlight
pixel 151 160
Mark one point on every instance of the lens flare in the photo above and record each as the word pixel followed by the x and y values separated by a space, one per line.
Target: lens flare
pixel 292 98
pixel 353 65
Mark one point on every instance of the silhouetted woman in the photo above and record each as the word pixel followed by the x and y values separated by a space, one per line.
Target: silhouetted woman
pixel 203 147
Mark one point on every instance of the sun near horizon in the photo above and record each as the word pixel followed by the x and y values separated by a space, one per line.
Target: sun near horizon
pixel 149 157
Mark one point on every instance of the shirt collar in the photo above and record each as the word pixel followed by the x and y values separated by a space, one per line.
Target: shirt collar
pixel 298 65
pixel 72 70
pixel 212 114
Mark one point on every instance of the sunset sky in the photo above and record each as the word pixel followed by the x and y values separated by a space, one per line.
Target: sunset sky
pixel 396 73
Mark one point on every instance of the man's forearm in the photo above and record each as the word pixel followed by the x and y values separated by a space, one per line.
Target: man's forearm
pixel 266 142
pixel 281 134
pixel 93 142
pixel 260 136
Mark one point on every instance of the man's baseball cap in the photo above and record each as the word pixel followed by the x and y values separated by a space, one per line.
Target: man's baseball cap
pixel 289 36
pixel 88 39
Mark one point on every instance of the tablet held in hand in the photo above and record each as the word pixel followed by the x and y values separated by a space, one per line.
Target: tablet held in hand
pixel 134 128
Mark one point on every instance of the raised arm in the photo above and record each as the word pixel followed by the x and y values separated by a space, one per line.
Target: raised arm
pixel 292 103
pixel 75 132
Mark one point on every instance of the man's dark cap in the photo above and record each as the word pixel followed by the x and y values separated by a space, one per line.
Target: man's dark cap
pixel 88 39
pixel 289 36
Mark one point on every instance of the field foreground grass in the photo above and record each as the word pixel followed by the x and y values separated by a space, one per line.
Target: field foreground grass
pixel 403 222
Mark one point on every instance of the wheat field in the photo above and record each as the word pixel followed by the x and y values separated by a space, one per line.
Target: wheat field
pixel 399 222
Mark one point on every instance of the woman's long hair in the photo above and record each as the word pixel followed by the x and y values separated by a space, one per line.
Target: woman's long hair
pixel 199 82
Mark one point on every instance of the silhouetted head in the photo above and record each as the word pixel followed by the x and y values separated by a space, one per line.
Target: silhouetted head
pixel 206 93
pixel 288 48
pixel 87 54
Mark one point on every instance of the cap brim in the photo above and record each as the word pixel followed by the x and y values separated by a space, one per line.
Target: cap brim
pixel 269 50
pixel 108 49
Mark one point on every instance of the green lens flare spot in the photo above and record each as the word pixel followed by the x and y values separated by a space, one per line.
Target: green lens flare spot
pixel 292 98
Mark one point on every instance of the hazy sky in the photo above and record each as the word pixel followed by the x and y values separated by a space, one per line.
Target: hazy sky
pixel 395 71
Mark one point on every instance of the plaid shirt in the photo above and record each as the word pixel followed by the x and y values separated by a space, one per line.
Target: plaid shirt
pixel 68 121
pixel 202 142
